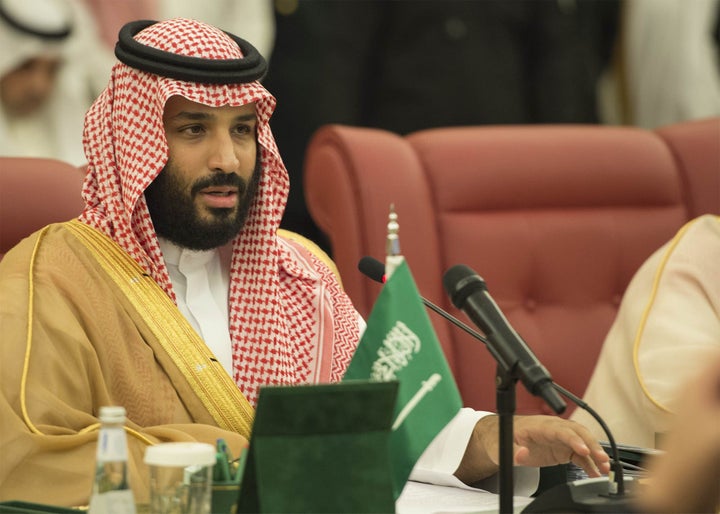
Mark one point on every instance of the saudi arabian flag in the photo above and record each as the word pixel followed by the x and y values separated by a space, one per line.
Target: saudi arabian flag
pixel 400 344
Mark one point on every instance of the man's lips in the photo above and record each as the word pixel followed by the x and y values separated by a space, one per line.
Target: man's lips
pixel 221 190
pixel 219 197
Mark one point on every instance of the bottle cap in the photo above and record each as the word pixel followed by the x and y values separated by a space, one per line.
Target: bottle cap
pixel 180 454
pixel 112 414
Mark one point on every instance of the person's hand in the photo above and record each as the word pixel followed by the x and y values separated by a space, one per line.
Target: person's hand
pixel 539 441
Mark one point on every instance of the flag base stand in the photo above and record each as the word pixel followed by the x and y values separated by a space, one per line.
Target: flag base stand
pixel 505 399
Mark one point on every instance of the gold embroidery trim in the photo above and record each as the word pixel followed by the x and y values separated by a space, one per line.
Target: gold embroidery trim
pixel 29 338
pixel 207 378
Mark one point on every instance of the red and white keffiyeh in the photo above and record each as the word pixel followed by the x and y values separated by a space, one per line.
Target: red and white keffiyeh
pixel 290 322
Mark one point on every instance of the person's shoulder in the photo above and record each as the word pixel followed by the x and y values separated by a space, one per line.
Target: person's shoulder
pixel 693 251
pixel 48 244
pixel 691 257
pixel 48 234
pixel 310 248
pixel 700 232
pixel 698 236
pixel 707 224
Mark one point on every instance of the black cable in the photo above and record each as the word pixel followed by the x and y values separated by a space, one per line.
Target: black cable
pixel 616 464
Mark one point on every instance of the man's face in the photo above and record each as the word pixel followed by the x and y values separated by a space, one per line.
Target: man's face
pixel 201 198
pixel 26 88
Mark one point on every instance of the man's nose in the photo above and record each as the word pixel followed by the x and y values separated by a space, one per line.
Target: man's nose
pixel 223 157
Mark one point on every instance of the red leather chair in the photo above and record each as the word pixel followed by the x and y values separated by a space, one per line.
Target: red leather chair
pixel 33 193
pixel 556 219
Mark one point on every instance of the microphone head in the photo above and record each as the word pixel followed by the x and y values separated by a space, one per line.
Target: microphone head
pixel 461 281
pixel 372 268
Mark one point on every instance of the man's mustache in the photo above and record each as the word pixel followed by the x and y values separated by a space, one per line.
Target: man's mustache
pixel 220 179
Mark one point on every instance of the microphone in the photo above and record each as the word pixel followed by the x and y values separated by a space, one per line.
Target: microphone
pixel 372 268
pixel 375 270
pixel 469 293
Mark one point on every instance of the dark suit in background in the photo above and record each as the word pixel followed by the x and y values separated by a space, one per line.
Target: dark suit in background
pixel 408 65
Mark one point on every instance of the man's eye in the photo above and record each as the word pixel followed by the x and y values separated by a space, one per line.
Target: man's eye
pixel 192 130
pixel 244 129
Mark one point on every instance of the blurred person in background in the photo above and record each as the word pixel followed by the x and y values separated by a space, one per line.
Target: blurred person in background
pixel 686 477
pixel 51 69
pixel 667 68
pixel 667 327
pixel 252 18
pixel 410 65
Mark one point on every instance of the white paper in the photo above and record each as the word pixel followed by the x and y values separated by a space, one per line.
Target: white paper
pixel 420 498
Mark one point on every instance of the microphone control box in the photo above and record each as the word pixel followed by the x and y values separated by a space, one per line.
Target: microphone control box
pixel 586 495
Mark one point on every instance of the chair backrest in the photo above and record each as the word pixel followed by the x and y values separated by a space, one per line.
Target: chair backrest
pixel 695 145
pixel 33 193
pixel 556 219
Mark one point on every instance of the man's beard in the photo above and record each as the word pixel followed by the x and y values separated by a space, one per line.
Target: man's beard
pixel 176 217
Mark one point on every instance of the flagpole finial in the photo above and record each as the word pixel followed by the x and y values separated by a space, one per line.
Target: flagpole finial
pixel 393 257
pixel 392 245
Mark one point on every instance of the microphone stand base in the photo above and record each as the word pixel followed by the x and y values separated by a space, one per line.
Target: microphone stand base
pixel 586 495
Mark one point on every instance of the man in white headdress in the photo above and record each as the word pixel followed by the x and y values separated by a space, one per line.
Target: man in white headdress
pixel 51 69
pixel 175 295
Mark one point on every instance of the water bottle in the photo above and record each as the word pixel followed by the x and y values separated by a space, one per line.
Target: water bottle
pixel 111 493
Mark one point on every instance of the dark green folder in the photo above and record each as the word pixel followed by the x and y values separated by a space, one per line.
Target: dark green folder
pixel 34 508
pixel 321 448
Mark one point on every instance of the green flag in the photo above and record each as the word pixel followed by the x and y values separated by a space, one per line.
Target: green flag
pixel 400 344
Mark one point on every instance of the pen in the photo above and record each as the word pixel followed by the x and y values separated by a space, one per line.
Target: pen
pixel 222 460
pixel 239 466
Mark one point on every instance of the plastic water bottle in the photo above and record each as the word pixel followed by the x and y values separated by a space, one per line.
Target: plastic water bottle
pixel 111 493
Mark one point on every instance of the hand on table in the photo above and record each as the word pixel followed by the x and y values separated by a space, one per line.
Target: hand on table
pixel 539 441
